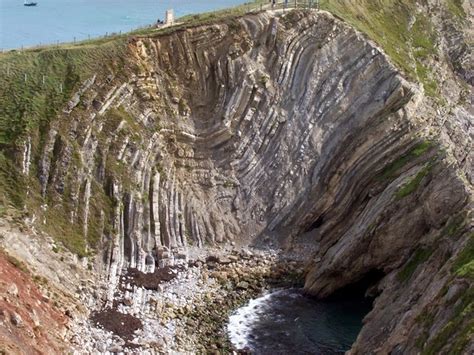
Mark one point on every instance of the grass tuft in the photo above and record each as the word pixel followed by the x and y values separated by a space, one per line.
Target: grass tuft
pixel 458 332
pixel 419 257
pixel 456 9
pixel 464 264
pixel 413 184
pixel 392 170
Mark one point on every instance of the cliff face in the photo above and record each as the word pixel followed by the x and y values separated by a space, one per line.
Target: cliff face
pixel 287 130
pixel 185 146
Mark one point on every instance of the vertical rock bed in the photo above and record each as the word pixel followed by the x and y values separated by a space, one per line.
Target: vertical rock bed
pixel 183 172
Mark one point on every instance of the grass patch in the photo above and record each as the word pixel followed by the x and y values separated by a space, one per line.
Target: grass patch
pixel 464 264
pixel 454 226
pixel 69 234
pixel 12 184
pixel 425 75
pixel 100 215
pixel 114 116
pixel 413 184
pixel 425 320
pixel 388 23
pixel 456 9
pixel 423 36
pixel 20 265
pixel 419 257
pixel 392 170
pixel 458 331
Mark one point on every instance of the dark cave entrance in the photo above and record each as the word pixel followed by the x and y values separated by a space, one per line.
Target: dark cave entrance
pixel 363 289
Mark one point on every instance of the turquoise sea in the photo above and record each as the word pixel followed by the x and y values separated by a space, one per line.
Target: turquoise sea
pixel 53 21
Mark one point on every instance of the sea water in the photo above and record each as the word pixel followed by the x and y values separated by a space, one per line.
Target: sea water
pixel 289 322
pixel 53 21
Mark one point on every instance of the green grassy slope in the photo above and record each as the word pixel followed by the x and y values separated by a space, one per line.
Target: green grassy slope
pixel 35 85
pixel 34 88
pixel 404 31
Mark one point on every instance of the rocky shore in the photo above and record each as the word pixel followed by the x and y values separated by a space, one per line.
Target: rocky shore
pixel 184 307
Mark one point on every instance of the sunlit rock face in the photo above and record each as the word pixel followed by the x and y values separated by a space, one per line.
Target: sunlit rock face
pixel 286 130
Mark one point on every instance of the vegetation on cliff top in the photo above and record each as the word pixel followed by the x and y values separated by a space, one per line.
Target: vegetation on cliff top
pixel 402 28
pixel 35 85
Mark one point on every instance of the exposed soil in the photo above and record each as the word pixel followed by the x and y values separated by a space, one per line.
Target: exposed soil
pixel 30 323
pixel 152 280
pixel 122 325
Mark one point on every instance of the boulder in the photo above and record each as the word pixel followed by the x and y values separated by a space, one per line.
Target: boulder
pixel 16 319
pixel 12 290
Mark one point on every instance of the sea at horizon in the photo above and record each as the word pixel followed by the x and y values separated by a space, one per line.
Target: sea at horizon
pixel 54 21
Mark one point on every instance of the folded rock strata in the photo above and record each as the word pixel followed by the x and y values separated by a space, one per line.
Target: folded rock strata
pixel 285 130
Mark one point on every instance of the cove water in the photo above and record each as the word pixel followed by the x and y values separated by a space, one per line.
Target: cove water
pixel 53 21
pixel 289 322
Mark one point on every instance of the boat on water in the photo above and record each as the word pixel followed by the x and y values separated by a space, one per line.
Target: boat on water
pixel 30 3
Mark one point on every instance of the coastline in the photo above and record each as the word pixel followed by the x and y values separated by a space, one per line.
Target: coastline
pixel 117 24
pixel 185 316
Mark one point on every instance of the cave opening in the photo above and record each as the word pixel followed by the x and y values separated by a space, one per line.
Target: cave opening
pixel 365 288
pixel 316 224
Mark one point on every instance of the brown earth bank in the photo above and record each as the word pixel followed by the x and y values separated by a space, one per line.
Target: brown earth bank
pixel 30 323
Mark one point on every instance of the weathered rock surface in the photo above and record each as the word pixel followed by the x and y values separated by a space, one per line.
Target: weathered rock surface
pixel 289 130
pixel 29 322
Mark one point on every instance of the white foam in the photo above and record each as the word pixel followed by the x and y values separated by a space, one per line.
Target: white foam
pixel 241 320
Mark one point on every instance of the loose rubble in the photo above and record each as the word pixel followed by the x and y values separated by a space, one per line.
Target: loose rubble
pixel 184 307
